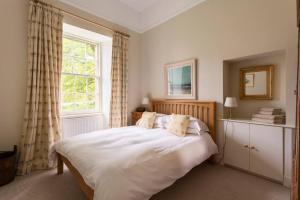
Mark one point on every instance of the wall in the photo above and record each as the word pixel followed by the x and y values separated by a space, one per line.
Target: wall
pixel 215 31
pixel 13 55
pixel 13 64
pixel 247 107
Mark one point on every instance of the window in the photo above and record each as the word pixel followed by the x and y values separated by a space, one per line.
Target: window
pixel 80 79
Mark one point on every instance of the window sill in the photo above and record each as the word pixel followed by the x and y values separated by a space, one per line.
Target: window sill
pixel 79 115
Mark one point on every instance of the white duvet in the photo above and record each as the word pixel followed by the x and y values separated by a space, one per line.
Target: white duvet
pixel 134 163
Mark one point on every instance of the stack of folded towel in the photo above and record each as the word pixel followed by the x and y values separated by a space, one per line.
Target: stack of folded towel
pixel 269 115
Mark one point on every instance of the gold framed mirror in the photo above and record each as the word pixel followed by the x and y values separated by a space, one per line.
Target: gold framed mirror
pixel 256 82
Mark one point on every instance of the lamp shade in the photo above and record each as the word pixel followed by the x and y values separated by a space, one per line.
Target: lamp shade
pixel 230 102
pixel 145 101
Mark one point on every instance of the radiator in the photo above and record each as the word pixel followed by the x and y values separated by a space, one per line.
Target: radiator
pixel 76 125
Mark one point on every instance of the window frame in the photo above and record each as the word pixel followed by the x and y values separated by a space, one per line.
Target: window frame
pixel 97 77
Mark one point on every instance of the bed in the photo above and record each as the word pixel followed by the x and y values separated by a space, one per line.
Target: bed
pixel 135 163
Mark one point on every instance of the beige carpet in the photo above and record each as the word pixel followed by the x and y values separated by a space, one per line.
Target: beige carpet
pixel 205 182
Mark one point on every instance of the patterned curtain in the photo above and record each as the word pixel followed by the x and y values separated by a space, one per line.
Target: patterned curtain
pixel 41 127
pixel 119 82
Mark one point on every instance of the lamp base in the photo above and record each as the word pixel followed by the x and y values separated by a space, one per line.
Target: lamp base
pixel 230 114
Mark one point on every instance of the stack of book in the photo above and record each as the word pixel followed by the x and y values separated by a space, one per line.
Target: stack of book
pixel 269 115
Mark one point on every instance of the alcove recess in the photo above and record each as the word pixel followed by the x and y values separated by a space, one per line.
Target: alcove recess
pixel 231 82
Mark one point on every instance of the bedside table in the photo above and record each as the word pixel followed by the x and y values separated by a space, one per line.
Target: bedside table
pixel 135 116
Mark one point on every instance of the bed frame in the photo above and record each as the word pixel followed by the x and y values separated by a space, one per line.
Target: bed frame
pixel 205 111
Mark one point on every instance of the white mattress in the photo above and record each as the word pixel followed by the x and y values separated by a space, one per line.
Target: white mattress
pixel 132 163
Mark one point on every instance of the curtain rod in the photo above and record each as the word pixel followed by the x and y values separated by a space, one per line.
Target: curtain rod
pixel 85 19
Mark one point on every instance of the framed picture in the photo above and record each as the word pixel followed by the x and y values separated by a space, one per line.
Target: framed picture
pixel 180 80
pixel 249 80
pixel 256 82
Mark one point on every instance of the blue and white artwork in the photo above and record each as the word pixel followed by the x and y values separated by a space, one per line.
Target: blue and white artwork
pixel 181 80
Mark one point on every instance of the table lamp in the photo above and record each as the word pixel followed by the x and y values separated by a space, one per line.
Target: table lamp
pixel 145 103
pixel 230 103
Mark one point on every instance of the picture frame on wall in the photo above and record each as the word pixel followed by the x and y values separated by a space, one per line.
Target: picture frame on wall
pixel 250 80
pixel 180 79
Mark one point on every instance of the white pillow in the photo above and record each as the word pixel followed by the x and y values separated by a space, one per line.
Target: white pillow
pixel 196 126
pixel 159 122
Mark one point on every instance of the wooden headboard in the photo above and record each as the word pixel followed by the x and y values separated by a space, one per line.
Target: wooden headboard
pixel 203 110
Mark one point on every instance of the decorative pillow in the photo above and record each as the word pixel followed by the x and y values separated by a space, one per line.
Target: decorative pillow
pixel 178 124
pixel 147 120
pixel 195 126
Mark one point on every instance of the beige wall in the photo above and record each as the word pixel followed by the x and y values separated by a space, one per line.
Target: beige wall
pixel 13 55
pixel 215 31
pixel 13 51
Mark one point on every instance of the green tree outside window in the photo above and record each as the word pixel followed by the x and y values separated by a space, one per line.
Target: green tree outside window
pixel 79 76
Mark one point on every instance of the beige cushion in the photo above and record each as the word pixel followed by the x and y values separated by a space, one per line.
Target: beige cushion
pixel 147 120
pixel 178 124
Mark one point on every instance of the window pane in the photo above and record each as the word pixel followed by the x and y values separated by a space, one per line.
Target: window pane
pixel 86 67
pixel 79 106
pixel 67 65
pixel 91 86
pixel 91 97
pixel 78 49
pixel 92 105
pixel 91 102
pixel 68 82
pixel 78 66
pixel 67 107
pixel 90 67
pixel 68 98
pixel 90 50
pixel 67 46
pixel 80 85
pixel 80 97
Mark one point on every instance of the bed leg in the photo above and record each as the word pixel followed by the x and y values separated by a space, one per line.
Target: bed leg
pixel 60 165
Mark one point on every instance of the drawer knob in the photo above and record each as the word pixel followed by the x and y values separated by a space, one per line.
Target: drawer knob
pixel 246 146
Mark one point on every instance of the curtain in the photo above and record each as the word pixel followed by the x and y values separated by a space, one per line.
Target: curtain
pixel 119 82
pixel 41 126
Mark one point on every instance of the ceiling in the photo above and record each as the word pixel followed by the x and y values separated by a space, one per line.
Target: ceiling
pixel 139 5
pixel 137 15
